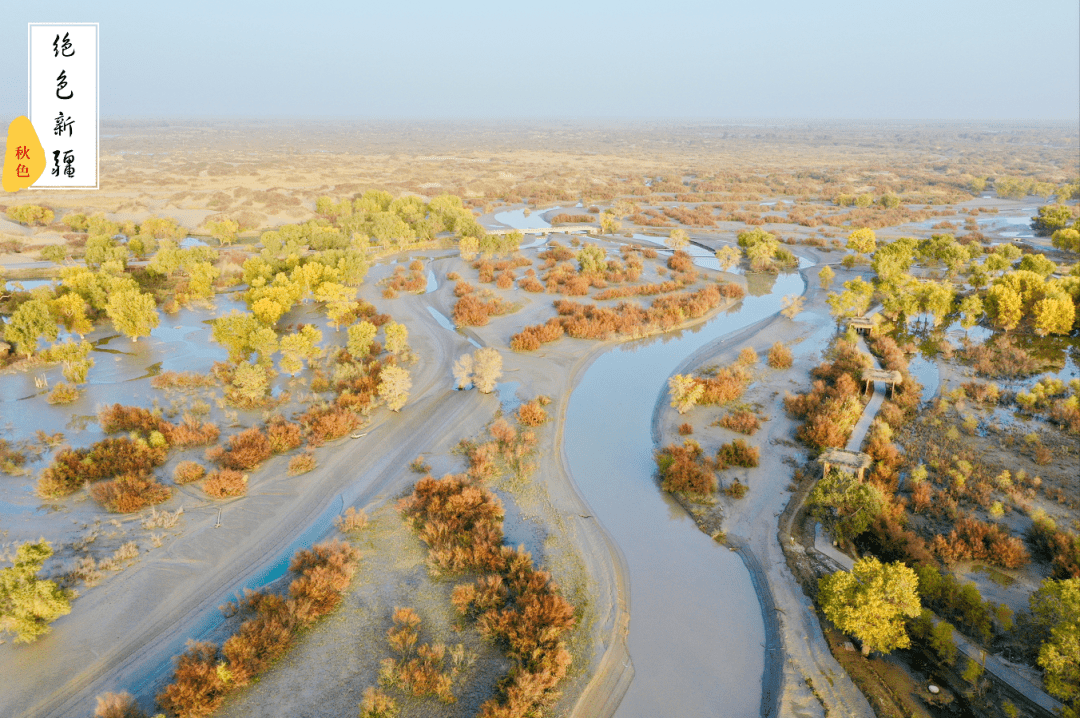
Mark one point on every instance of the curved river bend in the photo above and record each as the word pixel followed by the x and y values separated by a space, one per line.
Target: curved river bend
pixel 696 631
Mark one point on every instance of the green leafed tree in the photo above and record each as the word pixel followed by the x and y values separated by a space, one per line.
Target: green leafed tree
pixel 862 241
pixel 361 335
pixel 133 313
pixel 871 603
pixel 397 337
pixel 1056 607
pixel 28 604
pixel 31 321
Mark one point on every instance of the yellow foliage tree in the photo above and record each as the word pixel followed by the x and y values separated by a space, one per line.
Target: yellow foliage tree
pixel 871 603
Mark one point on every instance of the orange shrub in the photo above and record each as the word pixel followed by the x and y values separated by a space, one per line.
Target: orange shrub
pixel 744 422
pixel 463 288
pixel 187 472
pixel 328 424
pixel 680 261
pixel 71 468
pixel 780 357
pixel 728 384
pixel 190 433
pixel 225 483
pixel 301 463
pixel 459 521
pixel 531 284
pixel 532 414
pixel 128 418
pixel 283 436
pixel 471 311
pixel 979 541
pixel 198 688
pixel 129 493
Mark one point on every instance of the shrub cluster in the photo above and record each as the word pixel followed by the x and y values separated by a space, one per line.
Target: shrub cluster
pixel 742 421
pixel 724 385
pixel 419 667
pixel 530 338
pixel 589 321
pixel 225 483
pixel 833 406
pixel 472 311
pixel 780 357
pixel 187 472
pixel 148 424
pixel 130 492
pixel 532 413
pixel 205 674
pixel 72 468
pixel 565 218
pixel 513 604
pixel 335 421
pixel 415 282
pixel 1058 546
pixel 980 541
pixel 737 453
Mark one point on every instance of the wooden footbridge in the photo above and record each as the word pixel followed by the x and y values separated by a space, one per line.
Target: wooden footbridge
pixel 562 229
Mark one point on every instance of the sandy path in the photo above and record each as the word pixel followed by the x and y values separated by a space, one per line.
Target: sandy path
pixel 192 575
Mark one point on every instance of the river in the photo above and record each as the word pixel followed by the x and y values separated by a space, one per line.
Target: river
pixel 696 631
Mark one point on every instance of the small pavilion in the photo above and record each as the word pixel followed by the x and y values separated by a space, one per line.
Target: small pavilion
pixel 892 378
pixel 853 462
pixel 862 325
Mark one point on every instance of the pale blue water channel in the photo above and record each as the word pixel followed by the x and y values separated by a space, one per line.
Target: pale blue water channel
pixel 696 630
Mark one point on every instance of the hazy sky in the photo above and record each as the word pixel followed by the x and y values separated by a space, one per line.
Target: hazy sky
pixel 950 59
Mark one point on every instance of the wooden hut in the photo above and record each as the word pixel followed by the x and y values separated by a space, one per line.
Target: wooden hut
pixel 863 325
pixel 854 462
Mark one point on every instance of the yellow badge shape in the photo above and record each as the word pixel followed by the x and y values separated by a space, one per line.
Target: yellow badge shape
pixel 24 160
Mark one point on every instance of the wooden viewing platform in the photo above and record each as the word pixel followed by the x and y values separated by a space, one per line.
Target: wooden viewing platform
pixel 892 378
pixel 850 461
pixel 564 229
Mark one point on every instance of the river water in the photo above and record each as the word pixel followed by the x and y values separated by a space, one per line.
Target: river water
pixel 696 631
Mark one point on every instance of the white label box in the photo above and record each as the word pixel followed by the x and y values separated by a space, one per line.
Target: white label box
pixel 63 99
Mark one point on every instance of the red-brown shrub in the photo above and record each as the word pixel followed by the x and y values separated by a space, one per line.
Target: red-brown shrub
pixel 682 468
pixel 532 414
pixel 198 688
pixel 71 468
pixel 980 541
pixel 128 418
pixel 742 421
pixel 328 423
pixel 190 433
pixel 129 493
pixel 246 450
pixel 459 521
